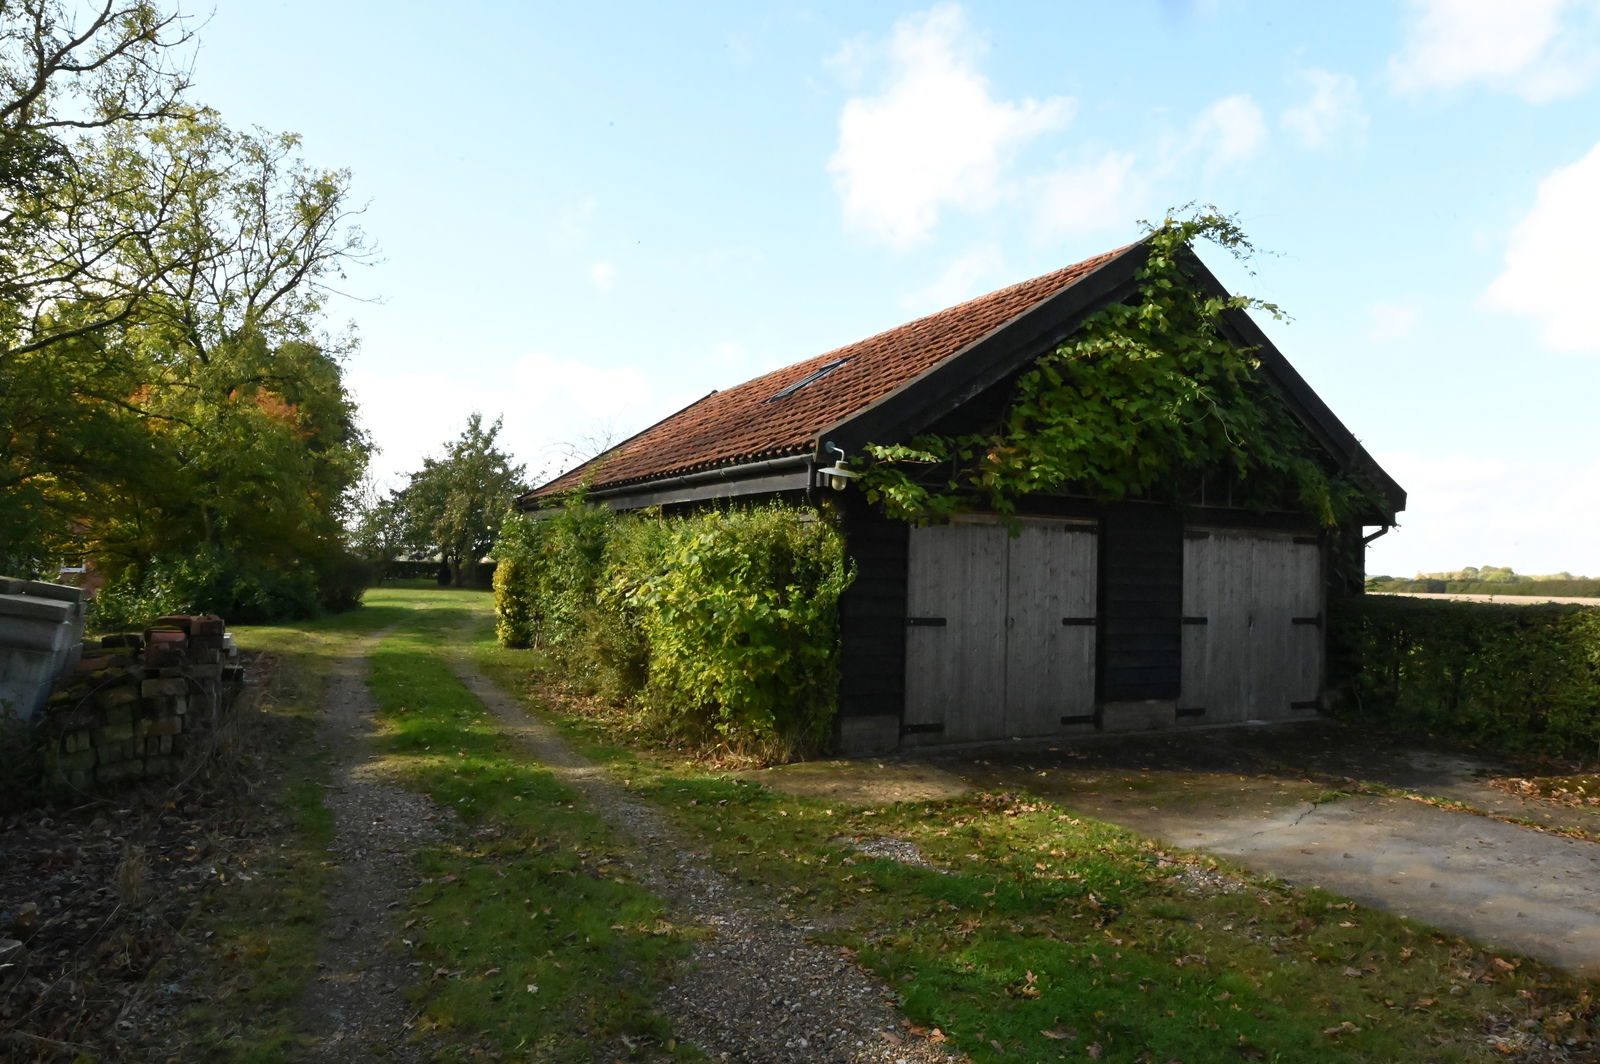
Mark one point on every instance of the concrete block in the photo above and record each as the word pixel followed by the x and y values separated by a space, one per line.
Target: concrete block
pixel 77 761
pixel 206 673
pixel 62 592
pixel 115 733
pixel 36 633
pixel 122 694
pixel 164 687
pixel 35 608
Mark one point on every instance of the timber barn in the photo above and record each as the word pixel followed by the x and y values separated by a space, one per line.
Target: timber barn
pixel 1073 613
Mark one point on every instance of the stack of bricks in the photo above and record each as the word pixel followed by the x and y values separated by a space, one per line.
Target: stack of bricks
pixel 130 707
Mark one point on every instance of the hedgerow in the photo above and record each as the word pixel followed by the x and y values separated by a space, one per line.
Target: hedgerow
pixel 1519 677
pixel 722 627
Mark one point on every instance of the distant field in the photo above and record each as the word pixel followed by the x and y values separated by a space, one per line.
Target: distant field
pixel 1544 590
pixel 1503 597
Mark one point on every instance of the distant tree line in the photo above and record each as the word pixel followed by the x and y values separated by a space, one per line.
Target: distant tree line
pixel 1489 580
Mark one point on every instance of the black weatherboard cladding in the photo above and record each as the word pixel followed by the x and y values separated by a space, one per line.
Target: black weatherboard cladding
pixel 872 616
pixel 1141 603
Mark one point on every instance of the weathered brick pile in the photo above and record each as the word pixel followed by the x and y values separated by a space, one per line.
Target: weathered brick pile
pixel 131 708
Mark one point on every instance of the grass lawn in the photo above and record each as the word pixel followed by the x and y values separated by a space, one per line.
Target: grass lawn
pixel 1019 930
pixel 1034 933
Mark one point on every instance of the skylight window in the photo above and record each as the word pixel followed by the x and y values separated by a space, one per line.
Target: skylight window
pixel 806 381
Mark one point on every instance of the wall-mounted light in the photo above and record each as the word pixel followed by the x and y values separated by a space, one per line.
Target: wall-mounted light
pixel 836 476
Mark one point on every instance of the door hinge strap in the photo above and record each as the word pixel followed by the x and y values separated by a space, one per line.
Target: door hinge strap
pixel 926 622
pixel 1315 619
pixel 1070 621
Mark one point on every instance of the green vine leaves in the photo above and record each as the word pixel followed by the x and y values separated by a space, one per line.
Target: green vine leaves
pixel 1143 401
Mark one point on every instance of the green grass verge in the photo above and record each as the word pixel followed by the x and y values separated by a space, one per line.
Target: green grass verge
pixel 536 943
pixel 1043 935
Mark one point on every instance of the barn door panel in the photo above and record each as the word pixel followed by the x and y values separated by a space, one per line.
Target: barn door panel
pixel 955 636
pixel 1252 644
pixel 1050 653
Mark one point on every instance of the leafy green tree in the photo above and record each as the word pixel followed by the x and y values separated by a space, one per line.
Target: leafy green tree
pixel 71 80
pixel 454 505
pixel 169 402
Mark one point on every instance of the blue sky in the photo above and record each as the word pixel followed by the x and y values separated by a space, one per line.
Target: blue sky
pixel 589 215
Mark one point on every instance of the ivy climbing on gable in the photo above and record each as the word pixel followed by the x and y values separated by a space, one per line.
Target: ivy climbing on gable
pixel 1146 398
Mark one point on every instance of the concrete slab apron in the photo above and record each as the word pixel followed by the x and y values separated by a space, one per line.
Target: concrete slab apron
pixel 1507 886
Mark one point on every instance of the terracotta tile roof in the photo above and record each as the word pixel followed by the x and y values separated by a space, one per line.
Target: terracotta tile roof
pixel 745 424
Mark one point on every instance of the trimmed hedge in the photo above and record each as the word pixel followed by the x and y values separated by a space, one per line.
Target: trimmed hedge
pixel 721 627
pixel 1519 677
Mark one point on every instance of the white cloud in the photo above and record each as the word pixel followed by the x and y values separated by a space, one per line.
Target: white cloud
pixel 1387 322
pixel 1231 131
pixel 1333 108
pixel 935 136
pixel 1550 269
pixel 603 275
pixel 1105 194
pixel 978 271
pixel 570 228
pixel 852 62
pixel 1537 49
pixel 1465 510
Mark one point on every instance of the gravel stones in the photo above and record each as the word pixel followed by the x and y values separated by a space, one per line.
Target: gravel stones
pixel 756 988
pixel 356 1007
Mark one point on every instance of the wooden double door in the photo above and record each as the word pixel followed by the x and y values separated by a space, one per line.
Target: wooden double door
pixel 1252 633
pixel 1001 629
